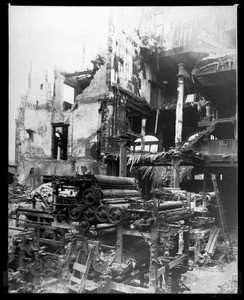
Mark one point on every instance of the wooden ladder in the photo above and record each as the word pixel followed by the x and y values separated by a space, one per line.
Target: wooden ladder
pixel 80 272
pixel 225 231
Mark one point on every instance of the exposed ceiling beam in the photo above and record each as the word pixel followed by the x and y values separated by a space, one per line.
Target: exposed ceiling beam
pixel 67 75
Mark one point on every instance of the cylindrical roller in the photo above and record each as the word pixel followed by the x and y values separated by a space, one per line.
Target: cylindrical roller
pixel 169 205
pixel 114 180
pixel 114 200
pixel 113 193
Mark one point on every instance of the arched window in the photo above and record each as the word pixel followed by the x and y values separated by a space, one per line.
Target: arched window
pixel 151 144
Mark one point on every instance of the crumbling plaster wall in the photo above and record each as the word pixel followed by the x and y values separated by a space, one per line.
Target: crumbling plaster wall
pixel 97 88
pixel 44 166
pixel 146 78
pixel 40 122
pixel 88 122
pixel 40 90
pixel 85 126
pixel 128 68
pixel 37 154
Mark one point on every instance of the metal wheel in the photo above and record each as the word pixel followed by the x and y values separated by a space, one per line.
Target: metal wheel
pixel 84 225
pixel 74 211
pixel 102 213
pixel 115 215
pixel 89 213
pixel 89 196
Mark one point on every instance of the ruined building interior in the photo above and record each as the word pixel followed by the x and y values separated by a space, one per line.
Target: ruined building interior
pixel 133 184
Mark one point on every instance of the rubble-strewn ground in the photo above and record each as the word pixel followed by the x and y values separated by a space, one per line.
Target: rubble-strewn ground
pixel 211 280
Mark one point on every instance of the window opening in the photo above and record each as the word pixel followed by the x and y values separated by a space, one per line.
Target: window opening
pixel 30 135
pixel 69 97
pixel 199 176
pixel 151 144
pixel 60 141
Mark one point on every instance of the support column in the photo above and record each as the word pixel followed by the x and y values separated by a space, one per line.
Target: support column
pixel 179 107
pixel 178 123
pixel 143 133
pixel 153 259
pixel 122 157
pixel 153 251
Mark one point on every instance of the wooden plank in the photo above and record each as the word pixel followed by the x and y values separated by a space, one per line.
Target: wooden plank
pixel 73 288
pixel 50 241
pixel 137 233
pixel 221 120
pixel 121 287
pixel 79 267
pixel 50 282
pixel 136 275
pixel 211 245
pixel 75 279
pixel 161 271
pixel 177 261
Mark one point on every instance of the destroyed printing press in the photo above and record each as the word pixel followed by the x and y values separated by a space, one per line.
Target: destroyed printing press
pixel 65 237
pixel 131 187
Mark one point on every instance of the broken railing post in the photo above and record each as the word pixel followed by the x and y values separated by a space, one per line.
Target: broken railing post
pixel 143 133
pixel 179 107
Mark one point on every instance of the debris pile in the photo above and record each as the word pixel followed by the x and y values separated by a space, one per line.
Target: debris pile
pixel 228 287
pixel 18 192
pixel 44 190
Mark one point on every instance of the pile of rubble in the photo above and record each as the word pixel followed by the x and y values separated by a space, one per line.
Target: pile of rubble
pixel 229 287
pixel 18 192
pixel 45 191
pixel 21 196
